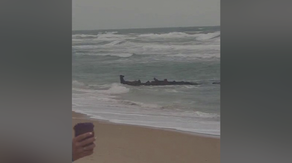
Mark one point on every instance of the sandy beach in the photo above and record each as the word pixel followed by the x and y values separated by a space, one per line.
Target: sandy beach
pixel 118 143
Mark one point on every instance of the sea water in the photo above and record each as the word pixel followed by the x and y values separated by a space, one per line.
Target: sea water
pixel 180 54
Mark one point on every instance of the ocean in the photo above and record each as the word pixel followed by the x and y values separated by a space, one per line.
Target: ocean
pixel 180 54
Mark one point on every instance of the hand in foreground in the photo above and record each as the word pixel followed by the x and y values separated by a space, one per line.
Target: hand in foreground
pixel 79 148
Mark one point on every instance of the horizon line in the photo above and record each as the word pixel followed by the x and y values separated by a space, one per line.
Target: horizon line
pixel 142 28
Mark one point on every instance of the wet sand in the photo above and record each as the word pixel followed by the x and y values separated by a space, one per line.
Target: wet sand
pixel 118 143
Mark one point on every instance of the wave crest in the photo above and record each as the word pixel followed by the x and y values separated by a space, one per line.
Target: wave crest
pixel 117 89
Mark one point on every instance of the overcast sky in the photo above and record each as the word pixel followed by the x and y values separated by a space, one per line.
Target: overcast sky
pixel 120 14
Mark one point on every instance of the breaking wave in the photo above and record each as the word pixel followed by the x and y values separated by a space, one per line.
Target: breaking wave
pixel 180 35
pixel 112 36
pixel 116 89
pixel 207 36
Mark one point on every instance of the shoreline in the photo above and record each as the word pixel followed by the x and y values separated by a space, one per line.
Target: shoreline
pixel 122 143
pixel 86 116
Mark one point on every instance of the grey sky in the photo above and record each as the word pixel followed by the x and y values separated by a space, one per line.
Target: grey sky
pixel 117 14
